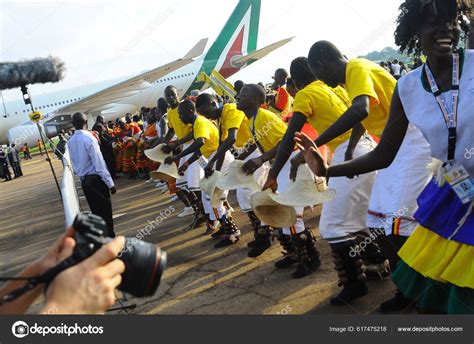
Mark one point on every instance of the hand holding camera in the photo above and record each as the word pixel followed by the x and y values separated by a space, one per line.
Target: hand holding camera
pixel 88 287
pixel 82 270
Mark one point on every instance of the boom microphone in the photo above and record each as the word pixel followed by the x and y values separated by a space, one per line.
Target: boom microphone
pixel 28 72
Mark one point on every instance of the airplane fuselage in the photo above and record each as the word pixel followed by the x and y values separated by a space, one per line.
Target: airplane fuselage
pixel 17 113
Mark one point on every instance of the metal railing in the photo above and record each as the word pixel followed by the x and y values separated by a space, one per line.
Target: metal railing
pixel 71 203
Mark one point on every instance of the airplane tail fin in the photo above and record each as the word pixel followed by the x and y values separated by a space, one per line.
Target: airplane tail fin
pixel 237 39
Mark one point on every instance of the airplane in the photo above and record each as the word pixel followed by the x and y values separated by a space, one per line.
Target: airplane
pixel 234 49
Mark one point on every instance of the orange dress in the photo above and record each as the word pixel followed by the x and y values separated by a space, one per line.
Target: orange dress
pixel 129 155
pixel 150 133
pixel 118 152
pixel 142 162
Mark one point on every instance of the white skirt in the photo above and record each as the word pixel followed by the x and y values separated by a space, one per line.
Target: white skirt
pixel 193 174
pixel 396 188
pixel 346 215
pixel 260 176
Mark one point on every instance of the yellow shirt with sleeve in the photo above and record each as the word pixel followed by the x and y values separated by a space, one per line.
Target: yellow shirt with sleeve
pixel 174 122
pixel 205 129
pixel 268 128
pixel 365 78
pixel 322 108
pixel 342 94
pixel 232 118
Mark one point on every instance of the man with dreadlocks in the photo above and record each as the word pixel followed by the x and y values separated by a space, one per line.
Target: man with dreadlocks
pixel 436 261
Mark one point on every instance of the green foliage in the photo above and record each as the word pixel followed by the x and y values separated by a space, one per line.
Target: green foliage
pixel 387 54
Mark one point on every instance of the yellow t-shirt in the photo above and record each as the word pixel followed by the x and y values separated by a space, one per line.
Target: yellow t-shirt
pixel 268 128
pixel 365 78
pixel 322 107
pixel 205 129
pixel 232 118
pixel 181 130
pixel 342 94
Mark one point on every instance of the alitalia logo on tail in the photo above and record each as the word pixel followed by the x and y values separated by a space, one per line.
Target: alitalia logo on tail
pixel 237 38
pixel 236 46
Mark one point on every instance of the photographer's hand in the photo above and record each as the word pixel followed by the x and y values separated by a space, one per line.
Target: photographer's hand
pixel 88 288
pixel 60 250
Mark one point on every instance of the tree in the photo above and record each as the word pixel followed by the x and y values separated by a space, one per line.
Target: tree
pixel 387 54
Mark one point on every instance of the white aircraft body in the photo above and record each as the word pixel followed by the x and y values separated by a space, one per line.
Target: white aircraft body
pixel 233 50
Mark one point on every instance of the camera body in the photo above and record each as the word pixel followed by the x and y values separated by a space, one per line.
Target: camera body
pixel 144 262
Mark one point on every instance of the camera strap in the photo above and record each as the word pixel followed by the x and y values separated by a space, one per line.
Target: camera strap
pixel 44 278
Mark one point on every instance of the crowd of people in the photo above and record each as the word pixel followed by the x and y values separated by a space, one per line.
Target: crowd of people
pixel 10 158
pixel 383 149
pixel 396 68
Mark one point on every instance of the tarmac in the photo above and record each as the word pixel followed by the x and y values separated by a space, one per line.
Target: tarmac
pixel 198 279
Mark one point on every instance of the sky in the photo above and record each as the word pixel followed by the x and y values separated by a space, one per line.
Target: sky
pixel 103 40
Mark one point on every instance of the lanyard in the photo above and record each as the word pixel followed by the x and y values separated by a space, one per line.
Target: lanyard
pixel 450 115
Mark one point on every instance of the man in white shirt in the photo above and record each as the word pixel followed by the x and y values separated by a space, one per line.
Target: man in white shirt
pixel 397 69
pixel 90 166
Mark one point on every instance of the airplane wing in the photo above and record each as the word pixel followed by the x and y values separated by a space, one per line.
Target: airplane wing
pixel 106 98
pixel 259 54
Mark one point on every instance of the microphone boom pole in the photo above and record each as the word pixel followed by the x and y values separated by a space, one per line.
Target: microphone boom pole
pixel 27 99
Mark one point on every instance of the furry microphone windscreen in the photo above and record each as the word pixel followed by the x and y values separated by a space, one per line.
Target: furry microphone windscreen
pixel 28 72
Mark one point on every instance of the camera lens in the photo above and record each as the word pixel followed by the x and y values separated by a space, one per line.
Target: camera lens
pixel 144 265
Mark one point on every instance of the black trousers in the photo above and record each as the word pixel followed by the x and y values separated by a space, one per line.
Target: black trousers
pixel 390 245
pixel 6 172
pixel 98 196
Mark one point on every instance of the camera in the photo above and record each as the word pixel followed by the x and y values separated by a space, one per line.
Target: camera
pixel 144 262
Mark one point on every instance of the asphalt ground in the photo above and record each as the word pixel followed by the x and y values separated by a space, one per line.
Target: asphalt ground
pixel 199 279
